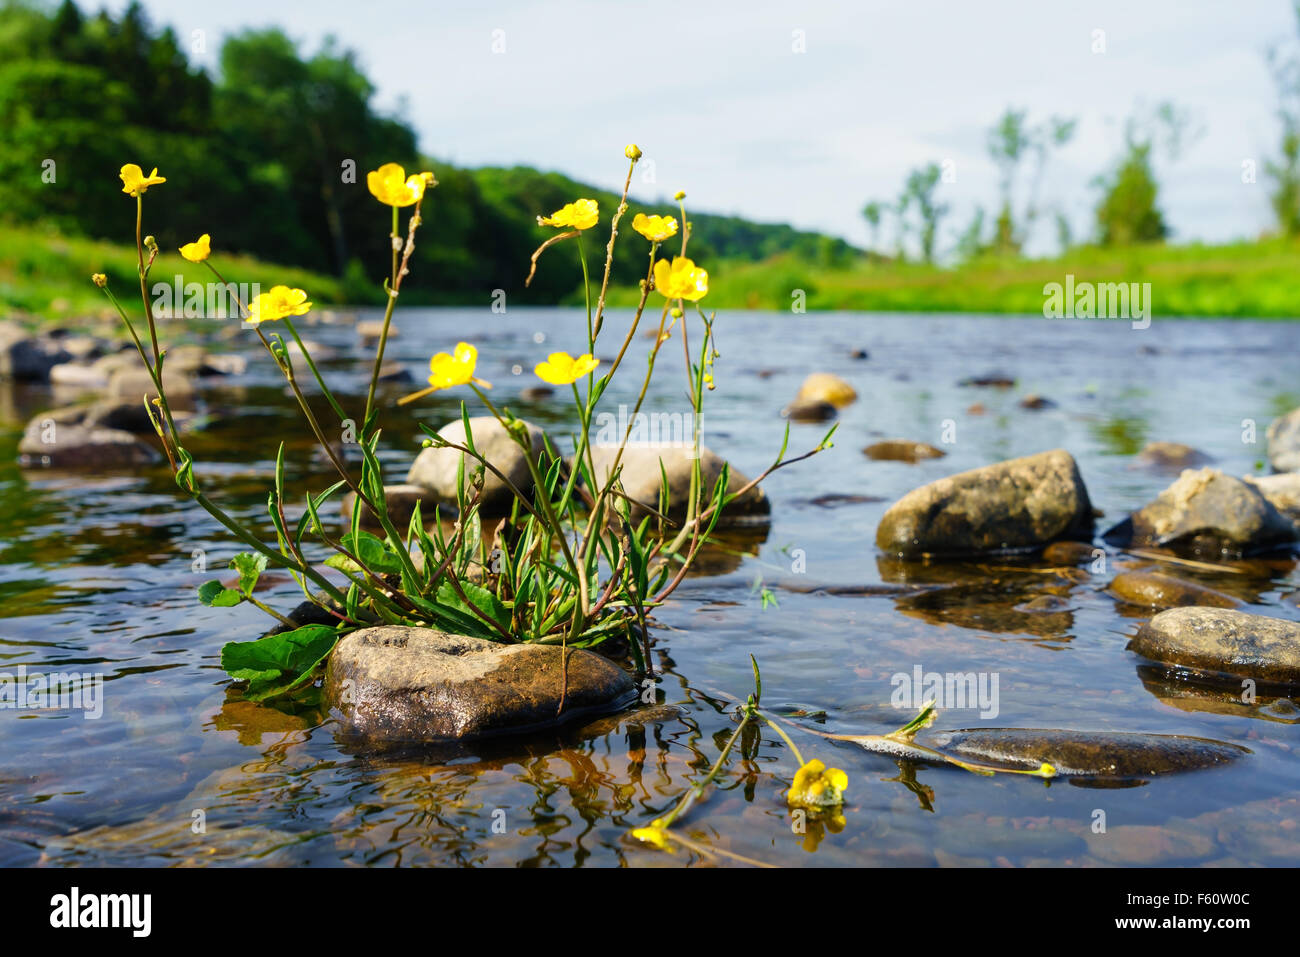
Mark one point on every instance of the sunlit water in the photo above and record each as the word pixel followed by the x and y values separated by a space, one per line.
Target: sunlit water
pixel 98 576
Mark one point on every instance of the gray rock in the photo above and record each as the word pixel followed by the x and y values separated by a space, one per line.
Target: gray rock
pixel 135 383
pixel 78 375
pixel 1017 505
pixel 435 468
pixel 641 478
pixel 1224 642
pixel 1282 491
pixel 1099 755
pixel 398 683
pixel 26 357
pixel 902 450
pixel 1284 442
pixel 1205 511
pixel 1154 590
pixel 50 443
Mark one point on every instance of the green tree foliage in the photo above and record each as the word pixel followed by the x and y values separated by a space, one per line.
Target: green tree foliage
pixel 1284 171
pixel 1128 212
pixel 269 155
pixel 1012 142
pixel 919 194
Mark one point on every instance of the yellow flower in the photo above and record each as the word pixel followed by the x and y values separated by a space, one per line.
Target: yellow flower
pixel 577 215
pixel 389 184
pixel 681 280
pixel 655 228
pixel 281 301
pixel 99 279
pixel 816 785
pixel 560 368
pixel 447 371
pixel 199 250
pixel 655 834
pixel 632 151
pixel 134 182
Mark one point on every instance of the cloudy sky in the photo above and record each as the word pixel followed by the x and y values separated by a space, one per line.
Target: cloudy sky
pixel 802 111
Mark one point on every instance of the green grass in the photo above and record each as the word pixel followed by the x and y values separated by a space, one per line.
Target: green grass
pixel 1241 280
pixel 44 275
pixel 47 276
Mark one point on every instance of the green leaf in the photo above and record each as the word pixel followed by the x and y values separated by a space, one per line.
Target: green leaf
pixel 250 566
pixel 216 595
pixel 277 664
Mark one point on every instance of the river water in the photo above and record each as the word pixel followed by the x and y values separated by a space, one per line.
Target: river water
pixel 98 575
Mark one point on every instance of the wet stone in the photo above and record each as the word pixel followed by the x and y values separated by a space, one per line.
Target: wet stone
pixel 641 479
pixel 1072 553
pixel 1223 641
pixel 1284 442
pixel 1205 512
pixel 397 683
pixel 1154 590
pixel 1020 504
pixel 1171 455
pixel 1107 755
pixel 435 468
pixel 826 387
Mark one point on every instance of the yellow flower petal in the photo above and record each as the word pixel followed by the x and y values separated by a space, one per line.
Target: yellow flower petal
pixel 447 371
pixel 390 185
pixel 280 302
pixel 581 214
pixel 198 250
pixel 135 183
pixel 655 228
pixel 560 368
pixel 681 279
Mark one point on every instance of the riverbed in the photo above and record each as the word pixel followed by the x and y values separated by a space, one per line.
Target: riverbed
pixel 100 572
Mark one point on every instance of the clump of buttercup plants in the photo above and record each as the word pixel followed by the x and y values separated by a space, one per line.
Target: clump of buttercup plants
pixel 570 565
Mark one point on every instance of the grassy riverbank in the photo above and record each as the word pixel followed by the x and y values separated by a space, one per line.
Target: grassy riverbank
pixel 48 276
pixel 1259 279
pixel 44 275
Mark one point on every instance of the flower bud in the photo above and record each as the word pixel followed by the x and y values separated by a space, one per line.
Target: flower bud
pixel 99 279
pixel 679 195
pixel 632 152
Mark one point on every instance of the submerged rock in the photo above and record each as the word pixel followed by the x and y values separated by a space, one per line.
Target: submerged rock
pixel 1020 504
pixel 1205 511
pixel 641 479
pixel 826 387
pixel 1036 401
pixel 417 684
pixel 1170 455
pixel 1103 755
pixel 1154 590
pixel 995 380
pixel 1284 442
pixel 1224 642
pixel 902 450
pixel 435 468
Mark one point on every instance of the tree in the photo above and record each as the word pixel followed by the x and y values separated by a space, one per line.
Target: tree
pixel 1128 212
pixel 1285 171
pixel 919 193
pixel 873 212
pixel 1012 141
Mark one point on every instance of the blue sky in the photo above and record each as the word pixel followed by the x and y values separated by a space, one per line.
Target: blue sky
pixel 719 99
